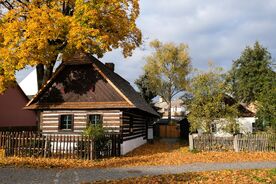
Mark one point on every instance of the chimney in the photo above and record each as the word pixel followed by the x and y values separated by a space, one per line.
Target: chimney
pixel 110 66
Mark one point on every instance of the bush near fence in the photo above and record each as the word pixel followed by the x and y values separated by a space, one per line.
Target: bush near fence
pixel 34 144
pixel 248 142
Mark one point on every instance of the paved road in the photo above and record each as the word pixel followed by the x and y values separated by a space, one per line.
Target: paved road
pixel 9 175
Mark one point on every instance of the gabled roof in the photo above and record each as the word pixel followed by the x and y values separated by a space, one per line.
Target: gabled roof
pixel 131 99
pixel 242 109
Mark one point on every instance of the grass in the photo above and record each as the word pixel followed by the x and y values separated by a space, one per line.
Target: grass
pixel 211 177
pixel 159 153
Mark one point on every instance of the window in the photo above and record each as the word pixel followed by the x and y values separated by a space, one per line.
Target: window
pixel 66 122
pixel 131 125
pixel 213 128
pixel 94 119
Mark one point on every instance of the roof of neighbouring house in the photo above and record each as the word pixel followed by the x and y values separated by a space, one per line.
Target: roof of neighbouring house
pixel 126 96
pixel 243 110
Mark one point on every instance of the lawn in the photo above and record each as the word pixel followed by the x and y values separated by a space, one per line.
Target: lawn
pixel 159 153
pixel 212 177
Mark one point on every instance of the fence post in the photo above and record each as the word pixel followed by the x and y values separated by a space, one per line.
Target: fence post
pixel 45 146
pixel 91 148
pixel 191 142
pixel 236 145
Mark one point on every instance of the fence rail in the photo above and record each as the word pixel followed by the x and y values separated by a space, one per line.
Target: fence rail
pixel 250 142
pixel 32 144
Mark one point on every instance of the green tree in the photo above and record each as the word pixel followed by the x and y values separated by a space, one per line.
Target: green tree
pixel 208 104
pixel 250 73
pixel 145 91
pixel 266 105
pixel 35 32
pixel 167 68
pixel 253 81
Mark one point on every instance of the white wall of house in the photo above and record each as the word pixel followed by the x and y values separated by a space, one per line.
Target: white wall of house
pixel 245 126
pixel 130 145
pixel 29 84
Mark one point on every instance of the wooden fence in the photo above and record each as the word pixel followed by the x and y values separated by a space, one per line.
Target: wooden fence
pixel 255 142
pixel 250 142
pixel 31 144
pixel 211 143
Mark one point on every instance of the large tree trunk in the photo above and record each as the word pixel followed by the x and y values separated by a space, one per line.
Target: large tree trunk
pixel 48 72
pixel 40 75
pixel 44 73
pixel 170 104
pixel 170 110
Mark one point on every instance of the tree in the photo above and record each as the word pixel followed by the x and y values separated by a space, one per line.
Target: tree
pixel 253 81
pixel 266 106
pixel 144 88
pixel 167 68
pixel 250 72
pixel 36 32
pixel 208 102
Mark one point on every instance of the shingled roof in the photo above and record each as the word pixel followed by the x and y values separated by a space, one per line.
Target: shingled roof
pixel 131 98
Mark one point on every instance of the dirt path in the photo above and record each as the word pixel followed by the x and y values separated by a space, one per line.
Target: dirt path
pixel 9 175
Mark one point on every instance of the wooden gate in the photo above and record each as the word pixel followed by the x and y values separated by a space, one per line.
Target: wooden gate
pixel 169 131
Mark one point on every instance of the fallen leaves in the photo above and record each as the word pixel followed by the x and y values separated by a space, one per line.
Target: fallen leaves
pixel 211 177
pixel 159 153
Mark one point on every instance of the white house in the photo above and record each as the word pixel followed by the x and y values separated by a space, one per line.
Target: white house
pixel 29 83
pixel 178 110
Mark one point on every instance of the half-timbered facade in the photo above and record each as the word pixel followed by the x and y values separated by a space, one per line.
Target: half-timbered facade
pixel 85 91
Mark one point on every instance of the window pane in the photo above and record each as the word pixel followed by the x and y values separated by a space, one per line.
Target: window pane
pixel 94 119
pixel 66 122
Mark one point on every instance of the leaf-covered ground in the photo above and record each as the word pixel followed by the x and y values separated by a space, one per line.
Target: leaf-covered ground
pixel 159 153
pixel 213 177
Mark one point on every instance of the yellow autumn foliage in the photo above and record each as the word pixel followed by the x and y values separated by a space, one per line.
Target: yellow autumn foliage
pixel 35 32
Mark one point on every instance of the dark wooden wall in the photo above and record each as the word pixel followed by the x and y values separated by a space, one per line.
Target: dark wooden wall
pixel 140 124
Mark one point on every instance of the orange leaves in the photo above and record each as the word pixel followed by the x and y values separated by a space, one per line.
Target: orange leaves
pixel 160 153
pixel 212 177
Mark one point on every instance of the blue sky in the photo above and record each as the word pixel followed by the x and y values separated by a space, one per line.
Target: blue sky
pixel 215 30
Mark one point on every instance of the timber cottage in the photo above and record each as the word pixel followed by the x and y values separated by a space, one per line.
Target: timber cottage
pixel 83 90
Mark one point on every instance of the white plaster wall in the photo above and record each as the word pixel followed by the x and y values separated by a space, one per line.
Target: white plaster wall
pixel 29 84
pixel 150 133
pixel 246 124
pixel 130 145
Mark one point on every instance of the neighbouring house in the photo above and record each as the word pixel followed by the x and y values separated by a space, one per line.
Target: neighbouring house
pixel 12 115
pixel 245 120
pixel 180 125
pixel 29 84
pixel 178 110
pixel 85 91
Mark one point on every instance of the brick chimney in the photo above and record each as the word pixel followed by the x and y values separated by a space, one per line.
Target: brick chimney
pixel 111 66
